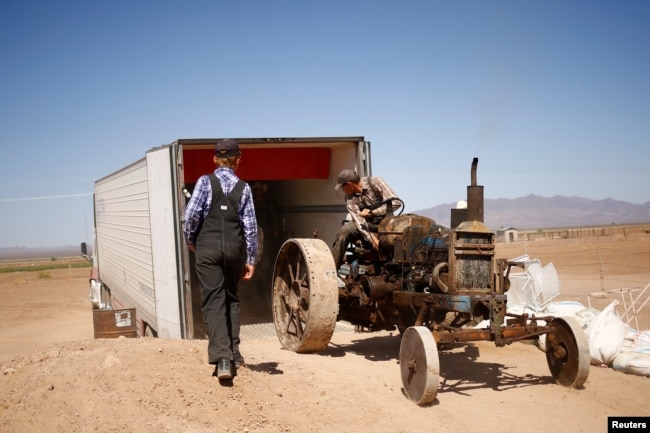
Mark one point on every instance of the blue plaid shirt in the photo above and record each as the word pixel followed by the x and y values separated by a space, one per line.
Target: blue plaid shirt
pixel 199 206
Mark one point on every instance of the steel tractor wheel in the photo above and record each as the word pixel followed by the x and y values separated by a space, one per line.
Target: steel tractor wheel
pixel 419 364
pixel 567 352
pixel 305 295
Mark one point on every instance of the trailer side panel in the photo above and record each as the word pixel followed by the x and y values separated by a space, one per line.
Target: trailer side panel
pixel 123 237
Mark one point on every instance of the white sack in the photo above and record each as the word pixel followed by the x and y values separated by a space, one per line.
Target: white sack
pixel 633 363
pixel 636 341
pixel 606 332
pixel 584 317
pixel 563 308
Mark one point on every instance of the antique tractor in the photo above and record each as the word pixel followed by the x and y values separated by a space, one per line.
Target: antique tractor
pixel 434 284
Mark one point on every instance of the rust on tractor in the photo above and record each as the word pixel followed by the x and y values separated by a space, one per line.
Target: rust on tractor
pixel 443 283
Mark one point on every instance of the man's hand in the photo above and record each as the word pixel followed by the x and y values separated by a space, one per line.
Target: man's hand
pixel 249 270
pixel 365 213
pixel 192 247
pixel 375 241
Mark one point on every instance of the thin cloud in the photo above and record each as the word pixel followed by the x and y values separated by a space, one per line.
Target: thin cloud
pixel 48 197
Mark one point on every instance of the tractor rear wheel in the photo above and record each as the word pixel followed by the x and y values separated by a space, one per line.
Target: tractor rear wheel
pixel 305 295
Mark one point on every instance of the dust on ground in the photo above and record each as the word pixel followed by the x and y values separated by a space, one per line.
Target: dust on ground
pixel 55 376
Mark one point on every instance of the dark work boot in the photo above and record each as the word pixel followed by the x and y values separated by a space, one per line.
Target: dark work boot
pixel 239 360
pixel 224 369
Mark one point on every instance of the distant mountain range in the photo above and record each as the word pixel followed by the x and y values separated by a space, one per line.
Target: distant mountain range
pixel 535 212
pixel 23 253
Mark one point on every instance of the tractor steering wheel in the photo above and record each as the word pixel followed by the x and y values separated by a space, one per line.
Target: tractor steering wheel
pixel 389 200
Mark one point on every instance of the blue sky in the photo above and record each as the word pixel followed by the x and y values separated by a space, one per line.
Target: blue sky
pixel 553 97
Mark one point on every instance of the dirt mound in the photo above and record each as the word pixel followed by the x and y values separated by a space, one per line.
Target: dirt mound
pixel 54 376
pixel 152 385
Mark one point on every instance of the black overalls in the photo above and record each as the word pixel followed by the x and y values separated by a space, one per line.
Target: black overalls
pixel 220 261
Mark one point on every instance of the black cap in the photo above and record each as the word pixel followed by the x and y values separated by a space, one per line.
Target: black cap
pixel 226 148
pixel 346 176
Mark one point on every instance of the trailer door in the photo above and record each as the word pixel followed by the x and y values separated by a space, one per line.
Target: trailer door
pixel 164 246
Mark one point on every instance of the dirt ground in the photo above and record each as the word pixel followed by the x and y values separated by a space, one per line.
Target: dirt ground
pixel 55 376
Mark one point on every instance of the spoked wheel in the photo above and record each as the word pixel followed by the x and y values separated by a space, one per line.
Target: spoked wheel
pixel 305 295
pixel 419 364
pixel 567 352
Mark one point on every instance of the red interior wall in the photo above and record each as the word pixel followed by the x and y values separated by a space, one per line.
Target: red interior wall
pixel 264 164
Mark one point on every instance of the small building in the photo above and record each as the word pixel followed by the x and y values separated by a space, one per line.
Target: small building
pixel 507 235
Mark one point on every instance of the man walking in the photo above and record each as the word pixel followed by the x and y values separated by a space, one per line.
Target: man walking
pixel 221 229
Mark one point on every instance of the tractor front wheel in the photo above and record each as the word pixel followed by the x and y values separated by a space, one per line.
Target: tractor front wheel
pixel 419 364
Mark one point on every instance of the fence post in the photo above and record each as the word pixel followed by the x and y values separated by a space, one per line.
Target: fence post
pixel 602 276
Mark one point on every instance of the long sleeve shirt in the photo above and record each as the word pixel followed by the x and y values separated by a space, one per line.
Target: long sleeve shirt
pixel 199 206
pixel 373 190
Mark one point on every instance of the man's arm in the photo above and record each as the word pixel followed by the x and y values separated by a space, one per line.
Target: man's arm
pixel 360 222
pixel 195 209
pixel 249 223
pixel 384 192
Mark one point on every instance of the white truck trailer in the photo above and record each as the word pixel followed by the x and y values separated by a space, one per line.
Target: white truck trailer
pixel 140 257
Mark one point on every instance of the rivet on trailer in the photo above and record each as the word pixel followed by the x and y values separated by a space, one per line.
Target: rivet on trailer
pixel 432 283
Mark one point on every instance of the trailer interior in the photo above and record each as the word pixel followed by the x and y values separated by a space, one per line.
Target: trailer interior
pixel 293 181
